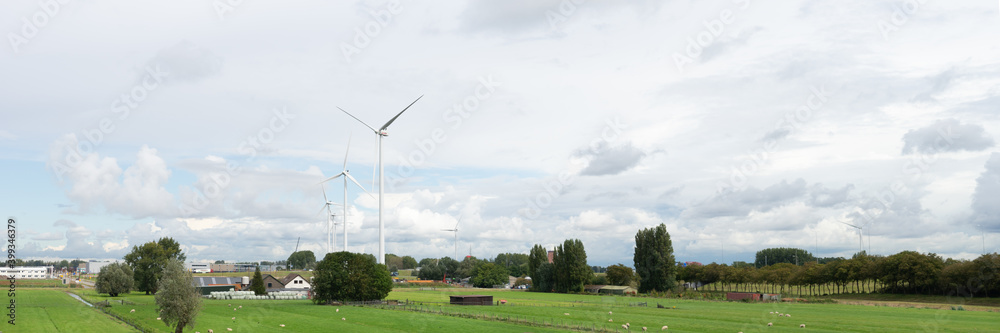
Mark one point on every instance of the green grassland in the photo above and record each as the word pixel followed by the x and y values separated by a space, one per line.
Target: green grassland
pixel 52 310
pixel 713 316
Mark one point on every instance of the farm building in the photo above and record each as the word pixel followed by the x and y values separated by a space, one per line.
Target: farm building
pixel 617 290
pixel 295 281
pixel 753 296
pixel 471 300
pixel 593 288
pixel 271 282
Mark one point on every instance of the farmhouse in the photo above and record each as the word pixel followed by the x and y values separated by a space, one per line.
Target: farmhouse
pixel 271 282
pixel 295 281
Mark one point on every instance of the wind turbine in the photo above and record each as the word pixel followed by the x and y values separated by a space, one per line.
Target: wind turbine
pixel 329 224
pixel 861 238
pixel 380 133
pixel 456 236
pixel 347 175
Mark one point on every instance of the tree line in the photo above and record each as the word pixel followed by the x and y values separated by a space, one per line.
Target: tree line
pixel 906 272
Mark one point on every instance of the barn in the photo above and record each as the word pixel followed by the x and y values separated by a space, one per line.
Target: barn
pixel 471 300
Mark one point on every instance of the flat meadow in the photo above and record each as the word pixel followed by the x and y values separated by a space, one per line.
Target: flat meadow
pixel 52 310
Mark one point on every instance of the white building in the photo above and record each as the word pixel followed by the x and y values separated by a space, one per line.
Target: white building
pixel 22 272
pixel 199 268
pixel 95 267
pixel 295 281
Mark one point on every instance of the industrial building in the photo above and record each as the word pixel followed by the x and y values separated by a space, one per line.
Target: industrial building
pixel 25 272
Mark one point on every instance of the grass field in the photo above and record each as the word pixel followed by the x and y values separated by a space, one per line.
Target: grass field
pixel 548 313
pixel 52 310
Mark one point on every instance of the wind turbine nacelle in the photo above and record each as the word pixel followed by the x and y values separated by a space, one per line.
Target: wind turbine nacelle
pixel 383 133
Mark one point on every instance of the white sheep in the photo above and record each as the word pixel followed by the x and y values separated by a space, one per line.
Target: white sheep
pixel 234 318
pixel 229 329
pixel 644 328
pixel 770 324
pixel 133 311
pixel 282 325
pixel 609 313
pixel 210 331
pixel 343 318
pixel 338 310
pixel 664 327
pixel 157 318
pixel 625 327
pixel 566 314
pixel 789 315
pixel 610 320
pixel 802 326
pixel 240 306
pixel 234 309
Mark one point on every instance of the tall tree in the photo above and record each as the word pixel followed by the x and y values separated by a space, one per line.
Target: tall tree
pixel 779 255
pixel 302 260
pixel 620 275
pixel 345 276
pixel 257 285
pixel 148 260
pixel 654 259
pixel 488 275
pixel 570 266
pixel 179 300
pixel 537 257
pixel 115 279
pixel 409 262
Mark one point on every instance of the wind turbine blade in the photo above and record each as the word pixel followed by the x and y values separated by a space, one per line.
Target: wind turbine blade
pixel 356 118
pixel 359 184
pixel 329 179
pixel 400 112
pixel 321 209
pixel 850 225
pixel 324 194
pixel 348 150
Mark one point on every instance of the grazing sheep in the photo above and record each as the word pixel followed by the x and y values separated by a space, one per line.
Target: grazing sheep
pixel 234 318
pixel 229 329
pixel 133 311
pixel 644 328
pixel 338 310
pixel 664 327
pixel 609 313
pixel 566 313
pixel 625 327
pixel 210 331
pixel 240 306
pixel 789 315
pixel 802 326
pixel 234 309
pixel 157 318
pixel 610 320
pixel 343 318
pixel 230 304
pixel 282 325
pixel 770 324
pixel 772 312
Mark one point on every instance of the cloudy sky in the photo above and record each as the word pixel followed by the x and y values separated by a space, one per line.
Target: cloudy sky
pixel 740 125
